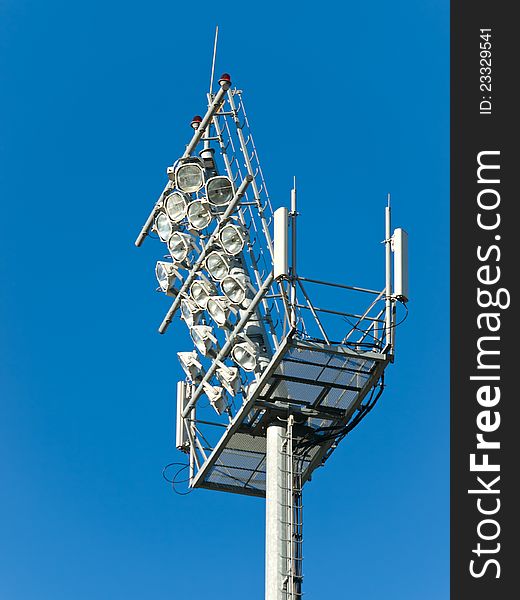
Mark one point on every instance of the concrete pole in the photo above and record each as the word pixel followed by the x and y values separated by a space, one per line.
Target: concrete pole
pixel 274 512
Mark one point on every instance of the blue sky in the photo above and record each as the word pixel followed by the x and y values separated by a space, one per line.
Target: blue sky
pixel 353 99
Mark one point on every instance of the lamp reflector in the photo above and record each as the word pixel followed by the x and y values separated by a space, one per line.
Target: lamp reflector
pixel 176 205
pixel 235 286
pixel 233 238
pixel 166 273
pixel 163 226
pixel 161 272
pixel 180 245
pixel 189 177
pixel 217 265
pixel 245 355
pixel 200 291
pixel 199 214
pixel 218 309
pixel 219 190
pixel 190 312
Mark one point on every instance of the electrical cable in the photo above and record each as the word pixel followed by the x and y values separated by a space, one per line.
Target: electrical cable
pixel 366 332
pixel 341 431
pixel 174 481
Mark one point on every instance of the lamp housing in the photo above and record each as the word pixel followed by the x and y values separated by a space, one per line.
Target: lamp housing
pixel 218 264
pixel 219 309
pixel 233 238
pixel 190 312
pixel 176 205
pixel 189 175
pixel 166 274
pixel 216 396
pixel 203 338
pixel 199 214
pixel 191 366
pixel 200 291
pixel 229 378
pixel 245 354
pixel 235 286
pixel 219 190
pixel 180 245
pixel 163 226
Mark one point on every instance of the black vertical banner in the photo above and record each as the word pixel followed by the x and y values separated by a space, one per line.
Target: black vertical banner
pixel 485 263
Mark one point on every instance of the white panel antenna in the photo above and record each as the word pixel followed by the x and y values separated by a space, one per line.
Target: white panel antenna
pixel 400 247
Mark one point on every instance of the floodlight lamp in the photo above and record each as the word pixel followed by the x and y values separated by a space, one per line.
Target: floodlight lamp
pixel 190 312
pixel 235 286
pixel 217 265
pixel 229 377
pixel 216 396
pixel 180 245
pixel 189 177
pixel 200 291
pixel 176 205
pixel 166 273
pixel 245 355
pixel 233 238
pixel 199 214
pixel 219 190
pixel 219 309
pixel 191 365
pixel 203 338
pixel 163 226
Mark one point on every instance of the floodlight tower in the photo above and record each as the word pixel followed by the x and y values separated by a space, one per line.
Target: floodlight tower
pixel 284 379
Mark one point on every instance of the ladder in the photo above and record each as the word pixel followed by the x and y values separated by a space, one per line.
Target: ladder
pixel 292 518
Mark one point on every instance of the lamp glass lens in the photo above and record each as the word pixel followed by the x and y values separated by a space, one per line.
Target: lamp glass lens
pixel 217 311
pixel 217 266
pixel 231 239
pixel 162 276
pixel 244 356
pixel 163 225
pixel 189 178
pixel 198 341
pixel 199 214
pixel 219 190
pixel 199 293
pixel 233 290
pixel 189 312
pixel 178 247
pixel 199 335
pixel 176 207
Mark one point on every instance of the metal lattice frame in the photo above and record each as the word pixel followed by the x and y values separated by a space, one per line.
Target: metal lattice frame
pixel 308 371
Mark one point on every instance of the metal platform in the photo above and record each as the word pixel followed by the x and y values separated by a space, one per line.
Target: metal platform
pixel 322 385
